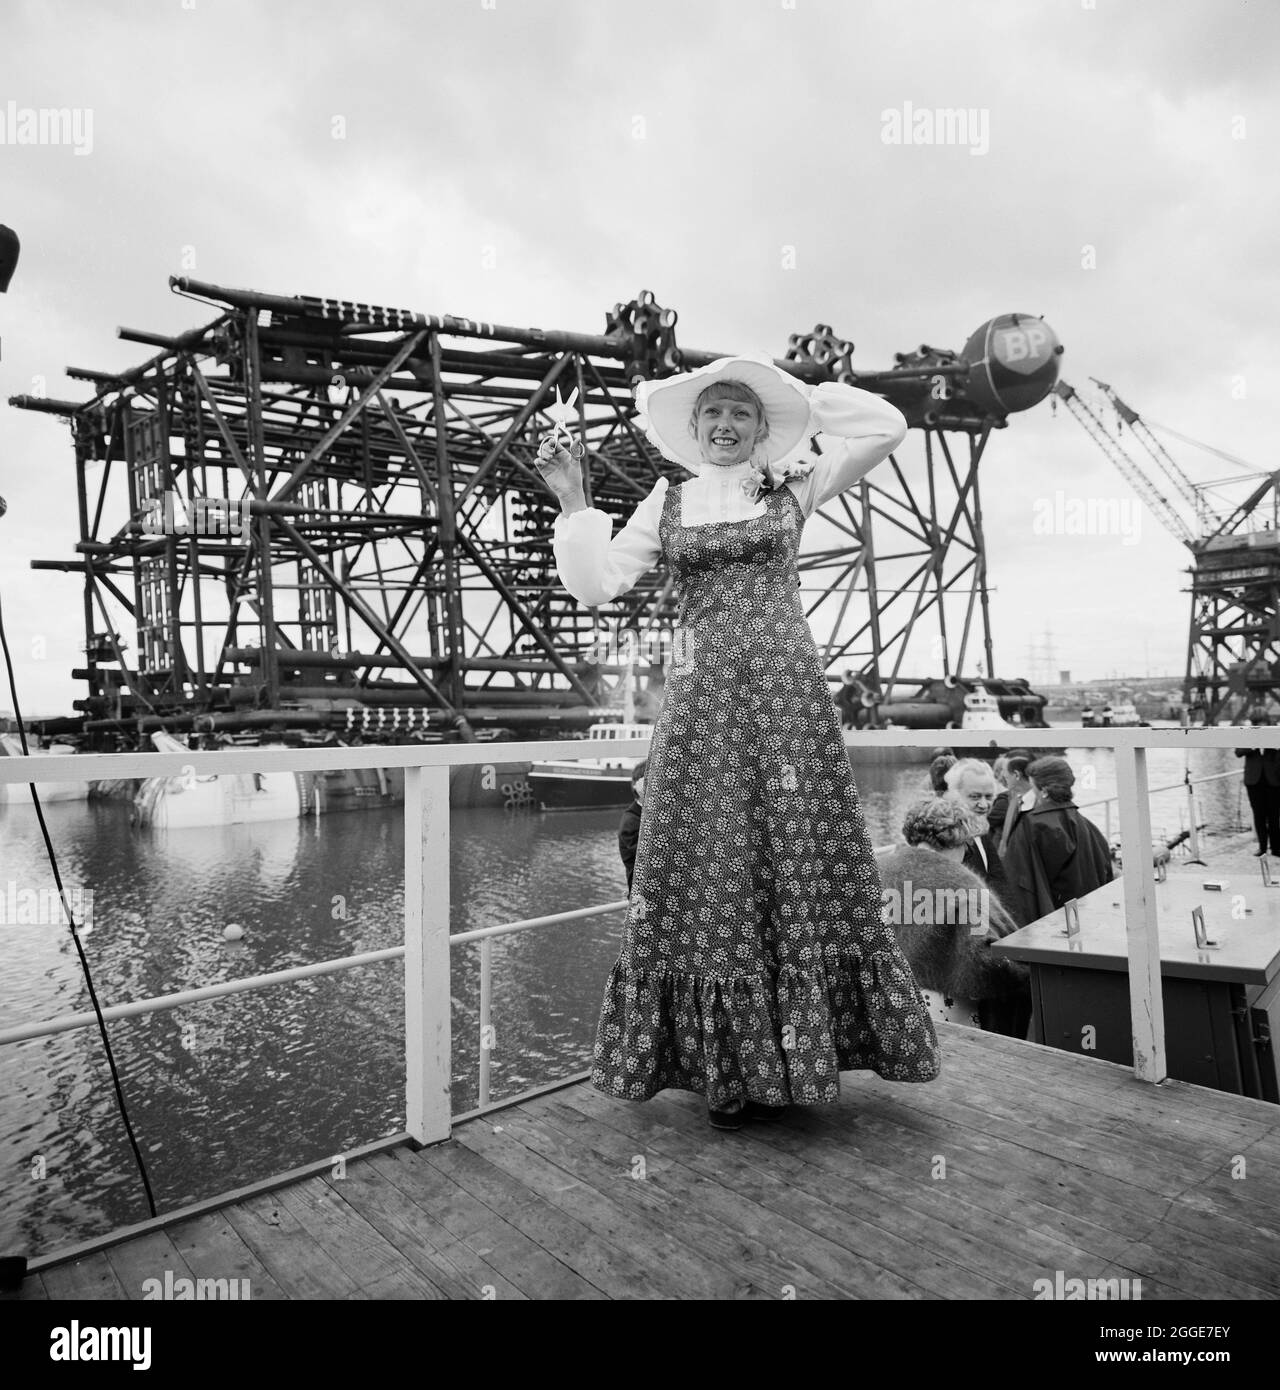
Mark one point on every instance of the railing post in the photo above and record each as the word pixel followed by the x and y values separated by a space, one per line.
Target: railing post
pixel 1193 836
pixel 486 1011
pixel 1142 927
pixel 427 995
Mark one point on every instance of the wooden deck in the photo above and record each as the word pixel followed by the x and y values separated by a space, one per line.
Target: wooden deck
pixel 1020 1161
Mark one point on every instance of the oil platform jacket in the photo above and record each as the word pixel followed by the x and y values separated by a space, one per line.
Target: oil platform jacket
pixel 595 566
pixel 1053 855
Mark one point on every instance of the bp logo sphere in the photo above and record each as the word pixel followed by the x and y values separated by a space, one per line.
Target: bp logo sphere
pixel 1013 363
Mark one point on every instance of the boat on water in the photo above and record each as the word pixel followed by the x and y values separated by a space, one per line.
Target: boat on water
pixel 1117 714
pixel 563 785
pixel 242 798
pixel 75 789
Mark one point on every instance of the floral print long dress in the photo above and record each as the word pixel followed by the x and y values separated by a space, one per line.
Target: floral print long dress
pixel 754 963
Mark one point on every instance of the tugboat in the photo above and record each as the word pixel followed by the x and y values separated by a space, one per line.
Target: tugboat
pixel 589 782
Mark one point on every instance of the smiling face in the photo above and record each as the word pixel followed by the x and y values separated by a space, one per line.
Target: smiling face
pixel 728 424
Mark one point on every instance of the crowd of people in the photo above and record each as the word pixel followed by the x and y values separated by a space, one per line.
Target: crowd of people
pixel 1006 835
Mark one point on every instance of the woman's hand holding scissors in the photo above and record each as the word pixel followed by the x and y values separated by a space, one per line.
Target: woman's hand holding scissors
pixel 559 457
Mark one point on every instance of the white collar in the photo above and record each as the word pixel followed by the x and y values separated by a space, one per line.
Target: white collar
pixel 724 475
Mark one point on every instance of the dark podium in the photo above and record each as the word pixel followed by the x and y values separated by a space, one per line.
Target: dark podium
pixel 1221 999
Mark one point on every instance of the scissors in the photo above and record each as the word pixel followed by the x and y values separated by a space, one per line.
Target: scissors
pixel 559 435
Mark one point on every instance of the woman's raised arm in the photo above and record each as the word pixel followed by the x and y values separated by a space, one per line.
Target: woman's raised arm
pixel 871 428
pixel 595 568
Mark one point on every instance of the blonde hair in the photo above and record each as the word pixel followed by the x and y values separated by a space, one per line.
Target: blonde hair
pixel 730 390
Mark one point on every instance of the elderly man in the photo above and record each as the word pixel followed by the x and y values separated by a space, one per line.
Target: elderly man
pixel 973 784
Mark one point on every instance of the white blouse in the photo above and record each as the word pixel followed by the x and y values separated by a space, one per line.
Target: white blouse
pixel 595 568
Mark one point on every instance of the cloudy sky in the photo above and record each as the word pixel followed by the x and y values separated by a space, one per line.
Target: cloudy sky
pixel 535 161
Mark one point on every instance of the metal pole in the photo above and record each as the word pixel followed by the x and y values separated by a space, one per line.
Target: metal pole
pixel 486 1001
pixel 1193 829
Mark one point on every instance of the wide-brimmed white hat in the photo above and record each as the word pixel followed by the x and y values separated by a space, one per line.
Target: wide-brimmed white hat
pixel 666 407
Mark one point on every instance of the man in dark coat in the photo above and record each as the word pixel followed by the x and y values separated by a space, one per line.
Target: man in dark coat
pixel 1262 785
pixel 1054 854
pixel 629 830
pixel 1000 806
pixel 972 783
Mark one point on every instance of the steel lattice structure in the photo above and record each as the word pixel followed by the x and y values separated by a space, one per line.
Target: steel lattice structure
pixel 380 558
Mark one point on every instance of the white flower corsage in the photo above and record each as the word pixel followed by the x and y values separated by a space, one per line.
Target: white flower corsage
pixel 755 483
pixel 761 480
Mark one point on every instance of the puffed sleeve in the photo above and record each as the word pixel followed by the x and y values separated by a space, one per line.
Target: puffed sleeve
pixel 595 569
pixel 871 429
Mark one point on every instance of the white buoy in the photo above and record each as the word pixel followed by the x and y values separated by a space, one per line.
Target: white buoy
pixel 233 931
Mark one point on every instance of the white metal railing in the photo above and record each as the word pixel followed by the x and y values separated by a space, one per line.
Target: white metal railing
pixel 1188 783
pixel 428 1025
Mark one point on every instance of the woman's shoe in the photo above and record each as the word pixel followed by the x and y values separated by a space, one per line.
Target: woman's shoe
pixel 1258 853
pixel 725 1119
pixel 758 1110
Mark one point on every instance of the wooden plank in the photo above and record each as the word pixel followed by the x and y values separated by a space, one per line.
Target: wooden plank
pixel 90 1278
pixel 609 1251
pixel 366 1256
pixel 548 1267
pixel 450 1264
pixel 1221 1250
pixel 146 1257
pixel 300 1266
pixel 32 1290
pixel 1073 1198
pixel 1068 1198
pixel 1142 932
pixel 489 1233
pixel 984 1181
pixel 1219 1254
pixel 211 1248
pixel 760 1267
pixel 1136 1101
pixel 1195 1281
pixel 981 1270
pixel 716 1263
pixel 834 1251
pixel 687 1253
pixel 1201 1243
pixel 989 1109
pixel 1094 1079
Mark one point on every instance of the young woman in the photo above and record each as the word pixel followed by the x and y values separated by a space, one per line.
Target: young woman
pixel 755 966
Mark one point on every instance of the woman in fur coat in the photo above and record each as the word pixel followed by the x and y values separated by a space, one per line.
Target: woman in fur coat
pixel 946 918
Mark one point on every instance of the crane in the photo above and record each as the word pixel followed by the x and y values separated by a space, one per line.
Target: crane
pixel 1160 505
pixel 1233 644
